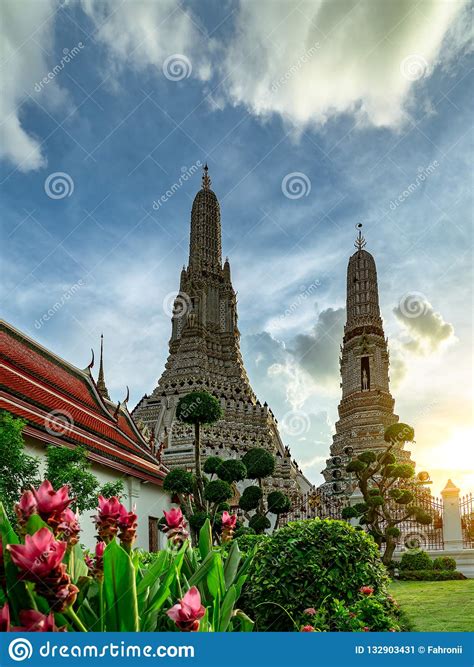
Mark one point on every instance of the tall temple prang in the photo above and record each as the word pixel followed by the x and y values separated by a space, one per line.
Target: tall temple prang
pixel 204 354
pixel 367 406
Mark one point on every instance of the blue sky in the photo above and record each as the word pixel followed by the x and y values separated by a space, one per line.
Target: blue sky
pixel 362 99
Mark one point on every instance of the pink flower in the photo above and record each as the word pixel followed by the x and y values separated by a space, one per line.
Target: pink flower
pixel 174 518
pixel 307 628
pixel 49 501
pixel 5 618
pixel 34 621
pixel 107 518
pixel 175 527
pixel 366 590
pixel 69 527
pixel 188 611
pixel 26 507
pixel 128 526
pixel 366 628
pixel 311 611
pixel 40 554
pixel 40 561
pixel 99 549
pixel 229 520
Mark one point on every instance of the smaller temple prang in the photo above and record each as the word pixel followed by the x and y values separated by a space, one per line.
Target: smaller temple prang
pixel 101 386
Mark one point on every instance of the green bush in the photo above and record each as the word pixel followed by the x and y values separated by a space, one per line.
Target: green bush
pixel 179 481
pixel 259 463
pixel 231 470
pixel 218 491
pixel 250 498
pixel 303 563
pixel 430 575
pixel 199 407
pixel 211 464
pixel 259 523
pixel 198 519
pixel 444 563
pixel 416 559
pixel 278 503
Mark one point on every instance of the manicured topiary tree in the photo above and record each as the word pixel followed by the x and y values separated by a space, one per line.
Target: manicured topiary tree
pixel 260 464
pixel 386 485
pixel 198 408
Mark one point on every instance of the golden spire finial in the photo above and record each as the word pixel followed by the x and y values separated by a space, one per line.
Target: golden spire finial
pixel 206 181
pixel 101 386
pixel 360 241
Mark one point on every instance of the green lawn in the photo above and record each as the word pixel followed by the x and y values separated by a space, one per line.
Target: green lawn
pixel 437 606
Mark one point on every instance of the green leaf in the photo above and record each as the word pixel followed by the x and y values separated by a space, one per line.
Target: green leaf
pixel 227 608
pixel 215 578
pixel 155 571
pixel 203 570
pixel 35 523
pixel 205 539
pixel 164 590
pixel 232 564
pixel 19 594
pixel 120 595
pixel 246 623
pixel 76 566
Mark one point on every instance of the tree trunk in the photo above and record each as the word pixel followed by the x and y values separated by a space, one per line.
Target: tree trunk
pixel 389 549
pixel 197 462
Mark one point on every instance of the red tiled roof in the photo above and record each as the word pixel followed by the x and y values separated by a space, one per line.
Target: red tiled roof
pixel 62 405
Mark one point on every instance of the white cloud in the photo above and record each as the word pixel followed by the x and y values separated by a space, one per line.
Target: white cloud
pixel 426 329
pixel 312 60
pixel 23 34
pixel 141 34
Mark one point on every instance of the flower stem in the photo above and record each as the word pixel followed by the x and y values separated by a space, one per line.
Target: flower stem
pixel 71 614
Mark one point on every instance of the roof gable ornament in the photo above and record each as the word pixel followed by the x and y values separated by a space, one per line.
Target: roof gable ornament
pixel 101 386
pixel 360 241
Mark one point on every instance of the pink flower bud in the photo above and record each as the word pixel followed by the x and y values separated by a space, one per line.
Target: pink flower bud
pixel 188 611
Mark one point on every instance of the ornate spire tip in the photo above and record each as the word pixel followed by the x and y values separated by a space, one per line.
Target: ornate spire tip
pixel 206 181
pixel 360 241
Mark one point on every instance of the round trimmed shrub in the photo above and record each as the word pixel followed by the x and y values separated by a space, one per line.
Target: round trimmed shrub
pixel 278 502
pixel 250 498
pixel 399 433
pixel 198 519
pixel 232 470
pixel 218 491
pixel 259 463
pixel 416 559
pixel 304 562
pixel 444 563
pixel 199 407
pixel 211 464
pixel 179 481
pixel 259 523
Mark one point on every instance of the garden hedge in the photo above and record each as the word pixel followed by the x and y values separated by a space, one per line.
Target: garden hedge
pixel 304 562
pixel 430 575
